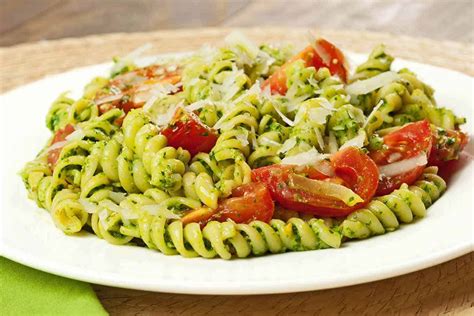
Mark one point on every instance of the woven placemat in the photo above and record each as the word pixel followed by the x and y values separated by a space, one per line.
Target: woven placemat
pixel 24 63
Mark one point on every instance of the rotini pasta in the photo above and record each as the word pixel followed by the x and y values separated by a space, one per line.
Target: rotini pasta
pixel 403 205
pixel 245 150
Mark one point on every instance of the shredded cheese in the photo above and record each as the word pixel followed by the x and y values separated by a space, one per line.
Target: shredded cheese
pixel 117 197
pixel 238 39
pixel 253 137
pixel 287 146
pixel 403 166
pixel 319 138
pixel 283 117
pixel 368 85
pixel 319 115
pixel 130 57
pixel 56 146
pixel 309 157
pixel 243 138
pixel 358 141
pixel 109 98
pixel 88 206
pixel 165 118
pixel 159 210
pixel 103 218
pixel 78 134
pixel 265 141
pixel 372 113
pixel 332 143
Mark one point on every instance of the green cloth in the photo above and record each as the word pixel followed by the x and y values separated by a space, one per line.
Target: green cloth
pixel 26 291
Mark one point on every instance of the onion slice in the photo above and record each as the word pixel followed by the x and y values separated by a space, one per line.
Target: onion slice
pixel 403 166
pixel 324 188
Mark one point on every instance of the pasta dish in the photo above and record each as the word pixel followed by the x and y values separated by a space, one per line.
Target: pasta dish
pixel 244 149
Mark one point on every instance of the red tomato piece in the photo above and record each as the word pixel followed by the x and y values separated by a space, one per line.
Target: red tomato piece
pixel 125 104
pixel 201 216
pixel 249 202
pixel 61 134
pixel 128 84
pixel 187 131
pixel 325 55
pixel 353 169
pixel 359 172
pixel 389 184
pixel 336 62
pixel 447 145
pixel 407 142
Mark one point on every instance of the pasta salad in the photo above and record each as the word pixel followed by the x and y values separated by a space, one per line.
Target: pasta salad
pixel 244 150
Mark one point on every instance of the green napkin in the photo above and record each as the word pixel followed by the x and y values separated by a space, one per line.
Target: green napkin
pixel 25 291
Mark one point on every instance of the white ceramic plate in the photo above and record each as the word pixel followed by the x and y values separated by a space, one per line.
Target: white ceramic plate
pixel 29 236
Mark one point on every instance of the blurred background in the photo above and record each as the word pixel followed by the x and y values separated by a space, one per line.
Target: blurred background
pixel 34 20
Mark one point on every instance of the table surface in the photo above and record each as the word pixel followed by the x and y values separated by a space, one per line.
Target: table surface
pixel 30 20
pixel 444 289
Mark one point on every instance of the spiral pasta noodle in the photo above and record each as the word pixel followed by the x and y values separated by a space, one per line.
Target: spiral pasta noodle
pixel 58 113
pixel 402 205
pixel 377 63
pixel 271 136
pixel 228 239
pixel 405 100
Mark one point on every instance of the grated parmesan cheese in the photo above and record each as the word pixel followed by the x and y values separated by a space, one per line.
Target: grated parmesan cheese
pixel 287 146
pixel 368 85
pixel 88 206
pixel 78 134
pixel 159 210
pixel 309 157
pixel 358 141
pixel 403 166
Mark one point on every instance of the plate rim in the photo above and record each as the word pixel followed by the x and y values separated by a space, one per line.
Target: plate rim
pixel 386 273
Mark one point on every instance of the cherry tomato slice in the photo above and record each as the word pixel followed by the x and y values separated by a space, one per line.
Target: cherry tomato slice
pixel 136 81
pixel 187 131
pixel 447 145
pixel 353 169
pixel 337 61
pixel 407 142
pixel 325 55
pixel 359 172
pixel 61 134
pixel 249 202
